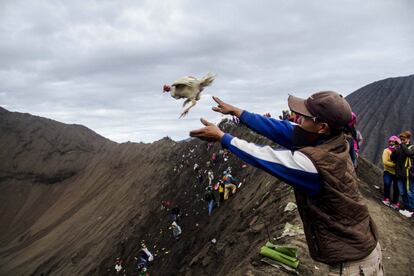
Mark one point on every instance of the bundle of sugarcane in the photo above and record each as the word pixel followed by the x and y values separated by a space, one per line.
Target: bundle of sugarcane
pixel 284 254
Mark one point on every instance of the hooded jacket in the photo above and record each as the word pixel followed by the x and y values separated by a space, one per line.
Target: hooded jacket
pixel 399 157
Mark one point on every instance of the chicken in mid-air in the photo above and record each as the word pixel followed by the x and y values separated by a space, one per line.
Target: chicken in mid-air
pixel 189 88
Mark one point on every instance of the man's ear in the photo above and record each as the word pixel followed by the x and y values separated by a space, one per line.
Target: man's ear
pixel 324 128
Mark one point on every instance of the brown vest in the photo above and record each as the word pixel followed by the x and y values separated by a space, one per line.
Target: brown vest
pixel 336 222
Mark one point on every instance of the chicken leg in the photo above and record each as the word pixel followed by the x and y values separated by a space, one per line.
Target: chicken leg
pixel 185 112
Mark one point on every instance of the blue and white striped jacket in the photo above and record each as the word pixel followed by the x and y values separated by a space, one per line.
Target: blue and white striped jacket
pixel 292 167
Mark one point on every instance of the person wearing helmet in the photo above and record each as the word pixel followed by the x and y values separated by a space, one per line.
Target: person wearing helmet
pixel 338 227
pixel 389 177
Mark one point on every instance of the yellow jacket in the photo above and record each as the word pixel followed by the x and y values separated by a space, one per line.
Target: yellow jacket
pixel 221 189
pixel 389 166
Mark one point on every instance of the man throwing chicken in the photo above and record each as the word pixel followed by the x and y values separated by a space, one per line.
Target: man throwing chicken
pixel 315 161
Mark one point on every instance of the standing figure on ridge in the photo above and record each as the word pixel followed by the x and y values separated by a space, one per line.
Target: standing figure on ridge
pixel 403 157
pixel 389 177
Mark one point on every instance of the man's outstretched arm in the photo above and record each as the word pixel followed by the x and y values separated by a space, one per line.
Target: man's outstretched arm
pixel 280 132
pixel 294 168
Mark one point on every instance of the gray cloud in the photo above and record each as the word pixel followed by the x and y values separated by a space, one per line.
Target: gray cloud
pixel 103 63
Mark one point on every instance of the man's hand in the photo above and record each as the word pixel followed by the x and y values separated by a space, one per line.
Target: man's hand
pixel 210 132
pixel 225 108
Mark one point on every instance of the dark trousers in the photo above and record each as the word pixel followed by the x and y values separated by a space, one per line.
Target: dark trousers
pixel 221 197
pixel 390 180
pixel 407 193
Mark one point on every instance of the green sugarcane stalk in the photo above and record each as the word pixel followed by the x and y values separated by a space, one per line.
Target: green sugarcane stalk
pixel 280 257
pixel 289 250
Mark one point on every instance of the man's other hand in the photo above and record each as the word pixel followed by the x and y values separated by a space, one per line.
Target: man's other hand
pixel 210 132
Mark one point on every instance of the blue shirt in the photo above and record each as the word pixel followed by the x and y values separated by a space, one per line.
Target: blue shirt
pixel 292 167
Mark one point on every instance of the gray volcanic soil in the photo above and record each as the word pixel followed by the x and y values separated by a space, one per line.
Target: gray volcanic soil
pixel 72 201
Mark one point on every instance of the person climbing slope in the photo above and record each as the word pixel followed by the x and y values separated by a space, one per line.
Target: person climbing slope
pixel 145 257
pixel 390 181
pixel 338 228
pixel 210 177
pixel 118 265
pixel 175 213
pixel 176 229
pixel 221 191
pixel 229 187
pixel 210 198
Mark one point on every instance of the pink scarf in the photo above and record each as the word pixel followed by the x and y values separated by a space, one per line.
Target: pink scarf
pixel 391 148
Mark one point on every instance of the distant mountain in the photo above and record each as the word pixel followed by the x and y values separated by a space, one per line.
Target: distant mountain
pixel 42 149
pixel 384 108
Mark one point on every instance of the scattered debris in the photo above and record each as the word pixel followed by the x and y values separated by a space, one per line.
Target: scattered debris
pixel 291 230
pixel 279 265
pixel 290 207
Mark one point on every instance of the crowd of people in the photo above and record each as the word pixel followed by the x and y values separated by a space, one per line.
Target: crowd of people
pixel 217 189
pixel 398 162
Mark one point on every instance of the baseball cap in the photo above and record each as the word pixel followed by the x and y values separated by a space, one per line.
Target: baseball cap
pixel 326 106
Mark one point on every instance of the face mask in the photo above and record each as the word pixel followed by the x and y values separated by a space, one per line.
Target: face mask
pixel 304 138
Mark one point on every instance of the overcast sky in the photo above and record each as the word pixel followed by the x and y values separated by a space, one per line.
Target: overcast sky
pixel 102 64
